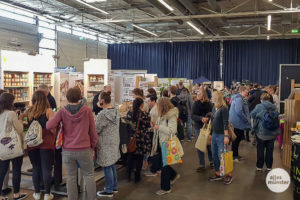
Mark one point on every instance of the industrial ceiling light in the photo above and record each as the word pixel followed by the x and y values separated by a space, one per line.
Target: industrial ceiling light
pixel 268 37
pixel 270 0
pixel 194 27
pixel 144 30
pixel 166 5
pixel 93 7
pixel 93 1
pixel 269 22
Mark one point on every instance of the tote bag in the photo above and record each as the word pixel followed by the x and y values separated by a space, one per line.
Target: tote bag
pixel 226 161
pixel 171 151
pixel 202 140
pixel 10 142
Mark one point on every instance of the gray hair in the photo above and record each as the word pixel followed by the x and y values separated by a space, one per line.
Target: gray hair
pixel 44 87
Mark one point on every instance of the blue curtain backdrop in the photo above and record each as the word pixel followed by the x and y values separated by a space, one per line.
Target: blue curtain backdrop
pixel 258 60
pixel 180 59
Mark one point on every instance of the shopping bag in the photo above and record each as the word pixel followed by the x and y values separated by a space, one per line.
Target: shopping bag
pixel 171 151
pixel 203 137
pixel 231 132
pixel 59 138
pixel 226 161
pixel 11 144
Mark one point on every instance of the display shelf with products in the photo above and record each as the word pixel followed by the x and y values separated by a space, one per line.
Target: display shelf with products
pixel 42 78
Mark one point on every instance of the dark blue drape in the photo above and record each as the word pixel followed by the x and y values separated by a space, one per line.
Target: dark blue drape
pixel 178 59
pixel 258 60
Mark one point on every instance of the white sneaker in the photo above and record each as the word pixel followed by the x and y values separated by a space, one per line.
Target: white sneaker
pixel 48 196
pixel 36 196
pixel 162 192
pixel 258 169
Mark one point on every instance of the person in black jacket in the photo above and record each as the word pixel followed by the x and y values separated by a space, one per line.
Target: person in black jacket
pixel 200 110
pixel 96 106
pixel 175 101
pixel 51 100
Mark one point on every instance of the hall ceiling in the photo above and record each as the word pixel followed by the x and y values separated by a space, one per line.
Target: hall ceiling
pixel 217 19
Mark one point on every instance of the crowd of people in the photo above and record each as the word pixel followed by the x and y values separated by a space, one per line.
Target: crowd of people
pixel 152 119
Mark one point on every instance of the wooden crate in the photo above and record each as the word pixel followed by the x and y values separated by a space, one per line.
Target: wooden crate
pixel 292 115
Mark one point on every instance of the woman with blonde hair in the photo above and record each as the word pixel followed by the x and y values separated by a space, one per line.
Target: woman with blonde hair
pixel 200 111
pixel 166 125
pixel 42 156
pixel 220 135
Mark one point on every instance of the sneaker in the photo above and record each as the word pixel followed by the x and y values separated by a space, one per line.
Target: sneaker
pixel 215 177
pixel 254 143
pixel 162 192
pixel 258 169
pixel 175 179
pixel 115 191
pixel 48 196
pixel 6 191
pixel 5 198
pixel 201 169
pixel 21 196
pixel 236 160
pixel 212 166
pixel 104 194
pixel 228 180
pixel 269 169
pixel 60 190
pixel 241 158
pixel 158 172
pixel 36 196
pixel 189 140
pixel 149 174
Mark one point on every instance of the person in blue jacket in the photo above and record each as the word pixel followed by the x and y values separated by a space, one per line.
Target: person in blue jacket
pixel 265 136
pixel 239 117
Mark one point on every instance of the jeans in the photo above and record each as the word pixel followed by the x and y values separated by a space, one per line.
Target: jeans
pixel 235 144
pixel 217 147
pixel 167 175
pixel 137 161
pixel 201 155
pixel 42 161
pixel 261 156
pixel 58 167
pixel 16 180
pixel 84 159
pixel 189 127
pixel 111 178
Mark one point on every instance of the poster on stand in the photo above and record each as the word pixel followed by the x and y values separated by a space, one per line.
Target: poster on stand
pixel 144 86
pixel 128 86
pixel 111 82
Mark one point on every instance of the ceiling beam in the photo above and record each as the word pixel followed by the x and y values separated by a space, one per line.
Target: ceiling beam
pixel 204 16
pixel 215 6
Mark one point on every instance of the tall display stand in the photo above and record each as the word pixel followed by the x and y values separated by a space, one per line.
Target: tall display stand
pixel 96 73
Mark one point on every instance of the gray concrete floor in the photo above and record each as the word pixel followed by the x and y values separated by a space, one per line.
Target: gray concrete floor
pixel 247 183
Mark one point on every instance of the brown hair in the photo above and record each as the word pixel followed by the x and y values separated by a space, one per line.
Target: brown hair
pixel 73 95
pixel 180 83
pixel 138 92
pixel 204 94
pixel 165 93
pixel 151 91
pixel 2 91
pixel 173 89
pixel 39 106
pixel 218 99
pixel 243 88
pixel 163 106
pixel 265 97
pixel 6 102
pixel 106 97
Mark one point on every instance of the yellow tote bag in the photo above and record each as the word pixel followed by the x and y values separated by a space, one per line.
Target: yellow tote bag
pixel 202 140
pixel 226 161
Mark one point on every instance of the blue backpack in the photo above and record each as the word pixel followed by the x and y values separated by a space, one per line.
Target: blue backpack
pixel 271 120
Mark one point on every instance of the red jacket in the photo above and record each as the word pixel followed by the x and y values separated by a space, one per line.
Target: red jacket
pixel 79 132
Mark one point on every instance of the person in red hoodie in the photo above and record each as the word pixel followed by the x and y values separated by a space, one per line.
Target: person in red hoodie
pixel 79 142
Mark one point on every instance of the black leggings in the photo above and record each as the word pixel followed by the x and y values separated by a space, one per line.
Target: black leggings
pixel 16 180
pixel 42 161
pixel 235 145
pixel 137 161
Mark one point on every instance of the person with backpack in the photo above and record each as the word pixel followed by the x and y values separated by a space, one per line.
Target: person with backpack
pixel 182 114
pixel 266 126
pixel 201 108
pixel 108 151
pixel 240 118
pixel 41 156
pixel 8 122
pixel 185 111
pixel 79 142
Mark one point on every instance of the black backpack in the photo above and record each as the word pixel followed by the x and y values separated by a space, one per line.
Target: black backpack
pixel 271 120
pixel 183 112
